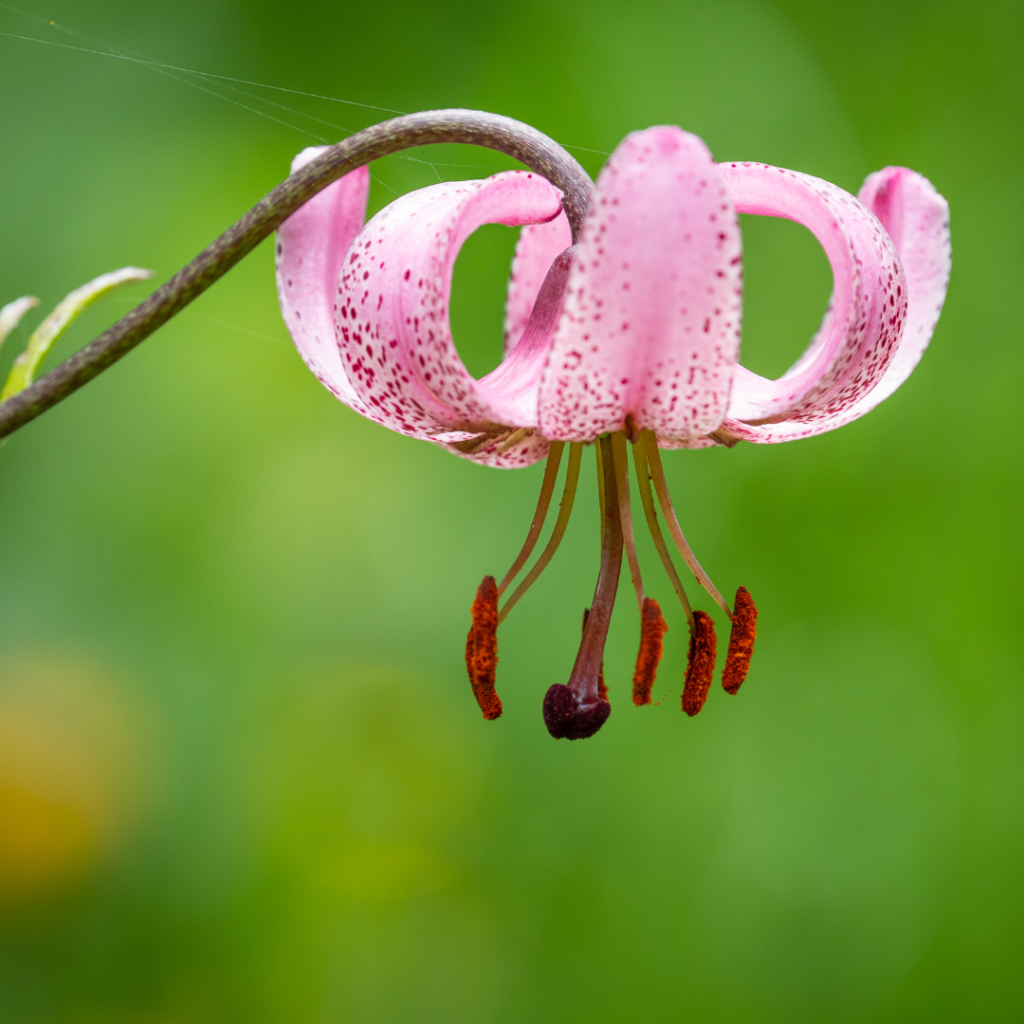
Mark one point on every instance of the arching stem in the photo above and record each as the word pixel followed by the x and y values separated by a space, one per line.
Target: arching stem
pixel 541 154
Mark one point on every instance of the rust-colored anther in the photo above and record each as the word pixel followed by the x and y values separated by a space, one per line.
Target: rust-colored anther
pixel 652 628
pixel 602 690
pixel 701 664
pixel 741 642
pixel 482 649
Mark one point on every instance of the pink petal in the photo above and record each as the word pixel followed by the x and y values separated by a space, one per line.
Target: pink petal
pixel 509 449
pixel 537 248
pixel 311 245
pixel 917 219
pixel 652 315
pixel 392 308
pixel 862 328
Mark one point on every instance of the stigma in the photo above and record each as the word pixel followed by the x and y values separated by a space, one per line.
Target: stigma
pixel 578 708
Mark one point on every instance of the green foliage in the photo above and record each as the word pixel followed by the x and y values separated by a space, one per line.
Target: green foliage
pixel 271 594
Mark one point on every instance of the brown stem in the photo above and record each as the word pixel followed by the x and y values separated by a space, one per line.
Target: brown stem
pixel 518 140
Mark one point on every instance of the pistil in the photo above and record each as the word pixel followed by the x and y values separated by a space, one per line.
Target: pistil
pixel 577 710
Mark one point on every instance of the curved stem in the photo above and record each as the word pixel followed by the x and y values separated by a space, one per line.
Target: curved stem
pixel 572 476
pixel 518 140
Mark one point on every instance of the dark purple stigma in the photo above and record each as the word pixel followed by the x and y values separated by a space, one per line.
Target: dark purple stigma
pixel 570 719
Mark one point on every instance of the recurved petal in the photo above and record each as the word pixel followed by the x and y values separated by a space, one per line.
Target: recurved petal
pixel 511 448
pixel 311 246
pixel 917 219
pixel 392 308
pixel 536 249
pixel 862 327
pixel 652 311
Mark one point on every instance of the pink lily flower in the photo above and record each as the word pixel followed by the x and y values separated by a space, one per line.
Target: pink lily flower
pixel 630 336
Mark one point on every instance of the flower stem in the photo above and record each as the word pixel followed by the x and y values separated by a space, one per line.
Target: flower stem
pixel 572 476
pixel 541 154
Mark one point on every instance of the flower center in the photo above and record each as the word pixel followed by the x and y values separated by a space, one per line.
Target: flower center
pixel 579 708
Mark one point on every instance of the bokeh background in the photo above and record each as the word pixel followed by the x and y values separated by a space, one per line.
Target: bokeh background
pixel 241 774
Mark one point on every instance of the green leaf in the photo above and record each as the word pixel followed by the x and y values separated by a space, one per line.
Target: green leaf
pixel 64 314
pixel 12 313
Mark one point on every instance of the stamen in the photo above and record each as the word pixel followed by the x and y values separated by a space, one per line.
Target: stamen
pixel 626 515
pixel 572 476
pixel 602 689
pixel 741 642
pixel 547 488
pixel 482 649
pixel 578 710
pixel 701 664
pixel 650 443
pixel 643 478
pixel 652 628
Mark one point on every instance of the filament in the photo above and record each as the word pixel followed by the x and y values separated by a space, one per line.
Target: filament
pixel 643 477
pixel 625 514
pixel 664 499
pixel 547 488
pixel 572 476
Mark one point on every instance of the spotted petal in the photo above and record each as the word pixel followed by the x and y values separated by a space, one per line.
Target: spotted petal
pixel 652 314
pixel 917 219
pixel 392 310
pixel 536 250
pixel 311 247
pixel 859 336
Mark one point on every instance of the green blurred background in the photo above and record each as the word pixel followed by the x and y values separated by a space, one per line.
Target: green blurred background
pixel 241 774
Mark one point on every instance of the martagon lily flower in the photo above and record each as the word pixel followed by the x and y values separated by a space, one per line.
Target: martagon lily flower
pixel 628 338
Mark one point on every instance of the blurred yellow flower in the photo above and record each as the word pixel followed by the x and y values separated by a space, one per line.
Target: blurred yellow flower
pixel 71 771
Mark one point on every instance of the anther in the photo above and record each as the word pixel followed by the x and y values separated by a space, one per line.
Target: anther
pixel 652 628
pixel 741 642
pixel 701 664
pixel 482 648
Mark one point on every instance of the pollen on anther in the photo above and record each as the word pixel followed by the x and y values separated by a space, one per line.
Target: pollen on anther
pixel 482 648
pixel 652 629
pixel 741 642
pixel 701 664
